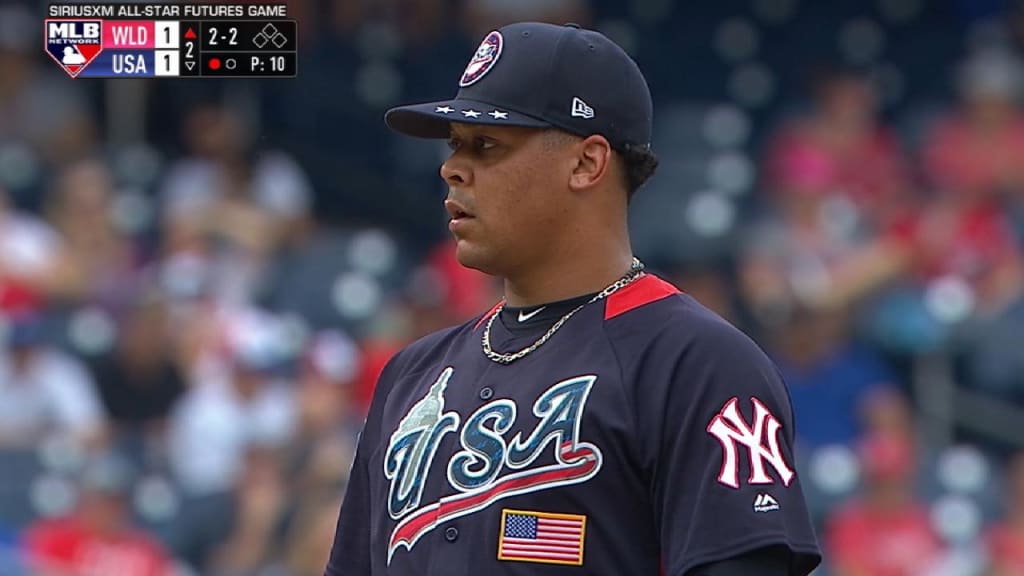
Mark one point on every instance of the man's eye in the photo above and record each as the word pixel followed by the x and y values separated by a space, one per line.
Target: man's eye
pixel 475 145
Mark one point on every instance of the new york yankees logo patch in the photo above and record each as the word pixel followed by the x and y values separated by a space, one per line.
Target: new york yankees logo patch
pixel 760 439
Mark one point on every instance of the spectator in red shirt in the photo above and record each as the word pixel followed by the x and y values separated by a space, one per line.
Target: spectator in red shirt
pixel 1004 541
pixel 837 178
pixel 841 149
pixel 886 532
pixel 978 151
pixel 98 537
pixel 975 160
pixel 971 241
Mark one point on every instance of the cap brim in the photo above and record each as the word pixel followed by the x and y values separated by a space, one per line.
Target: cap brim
pixel 432 119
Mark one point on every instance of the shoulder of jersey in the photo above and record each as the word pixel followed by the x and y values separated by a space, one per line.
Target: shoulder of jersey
pixel 433 344
pixel 648 293
pixel 659 309
pixel 650 302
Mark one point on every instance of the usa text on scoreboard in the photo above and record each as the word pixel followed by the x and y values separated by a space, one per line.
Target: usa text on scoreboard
pixel 172 40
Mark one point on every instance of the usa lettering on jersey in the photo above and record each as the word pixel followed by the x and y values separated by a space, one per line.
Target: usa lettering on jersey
pixel 760 439
pixel 489 466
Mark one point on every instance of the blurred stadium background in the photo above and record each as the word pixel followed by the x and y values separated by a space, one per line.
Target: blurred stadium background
pixel 200 279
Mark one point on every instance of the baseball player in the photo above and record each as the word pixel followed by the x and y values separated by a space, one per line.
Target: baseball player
pixel 596 420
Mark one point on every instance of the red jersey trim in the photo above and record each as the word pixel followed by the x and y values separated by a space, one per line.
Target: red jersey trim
pixel 490 313
pixel 648 289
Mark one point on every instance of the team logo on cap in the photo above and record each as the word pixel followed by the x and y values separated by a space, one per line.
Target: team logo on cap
pixel 483 60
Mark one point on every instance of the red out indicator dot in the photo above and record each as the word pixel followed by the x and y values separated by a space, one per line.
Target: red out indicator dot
pixel 214 63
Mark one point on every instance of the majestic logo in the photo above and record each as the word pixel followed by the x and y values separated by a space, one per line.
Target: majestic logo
pixel 760 439
pixel 485 57
pixel 765 503
pixel 73 43
pixel 489 467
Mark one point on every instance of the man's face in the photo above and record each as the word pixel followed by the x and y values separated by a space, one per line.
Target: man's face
pixel 507 195
pixel 850 99
pixel 21 357
pixel 105 512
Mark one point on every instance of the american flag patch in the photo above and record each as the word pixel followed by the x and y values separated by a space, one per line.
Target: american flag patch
pixel 542 537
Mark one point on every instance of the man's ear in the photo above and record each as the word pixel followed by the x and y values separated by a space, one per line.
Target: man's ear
pixel 593 162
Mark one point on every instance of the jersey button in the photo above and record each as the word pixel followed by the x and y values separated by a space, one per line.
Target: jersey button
pixel 486 393
pixel 451 534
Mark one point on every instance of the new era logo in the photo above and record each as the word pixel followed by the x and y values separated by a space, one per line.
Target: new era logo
pixel 765 503
pixel 581 109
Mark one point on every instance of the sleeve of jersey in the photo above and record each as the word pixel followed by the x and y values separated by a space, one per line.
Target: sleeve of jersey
pixel 716 427
pixel 350 553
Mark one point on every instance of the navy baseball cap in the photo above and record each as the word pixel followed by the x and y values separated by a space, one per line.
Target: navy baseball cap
pixel 542 75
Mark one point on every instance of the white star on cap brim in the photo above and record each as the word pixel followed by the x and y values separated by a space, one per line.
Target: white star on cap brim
pixel 444 109
pixel 498 115
pixel 470 113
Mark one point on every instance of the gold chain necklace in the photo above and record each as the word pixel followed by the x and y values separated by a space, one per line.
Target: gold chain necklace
pixel 636 270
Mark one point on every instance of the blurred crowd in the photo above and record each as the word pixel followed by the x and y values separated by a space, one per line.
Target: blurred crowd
pixel 200 280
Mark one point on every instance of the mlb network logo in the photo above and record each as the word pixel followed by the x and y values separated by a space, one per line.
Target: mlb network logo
pixel 73 43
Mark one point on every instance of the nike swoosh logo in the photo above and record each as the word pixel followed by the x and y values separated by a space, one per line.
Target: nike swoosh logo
pixel 525 317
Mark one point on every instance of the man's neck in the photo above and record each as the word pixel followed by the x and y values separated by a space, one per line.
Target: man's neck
pixel 567 279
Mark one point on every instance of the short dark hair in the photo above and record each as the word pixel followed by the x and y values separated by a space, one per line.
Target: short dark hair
pixel 638 165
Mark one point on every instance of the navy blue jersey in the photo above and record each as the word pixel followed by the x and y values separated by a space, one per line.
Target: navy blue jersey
pixel 648 436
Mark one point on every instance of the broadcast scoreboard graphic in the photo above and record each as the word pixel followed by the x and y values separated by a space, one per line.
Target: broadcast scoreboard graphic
pixel 172 40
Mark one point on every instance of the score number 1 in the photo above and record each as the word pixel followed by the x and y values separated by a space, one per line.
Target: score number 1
pixel 166 54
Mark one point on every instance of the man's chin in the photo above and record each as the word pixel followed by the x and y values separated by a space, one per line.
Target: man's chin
pixel 471 256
